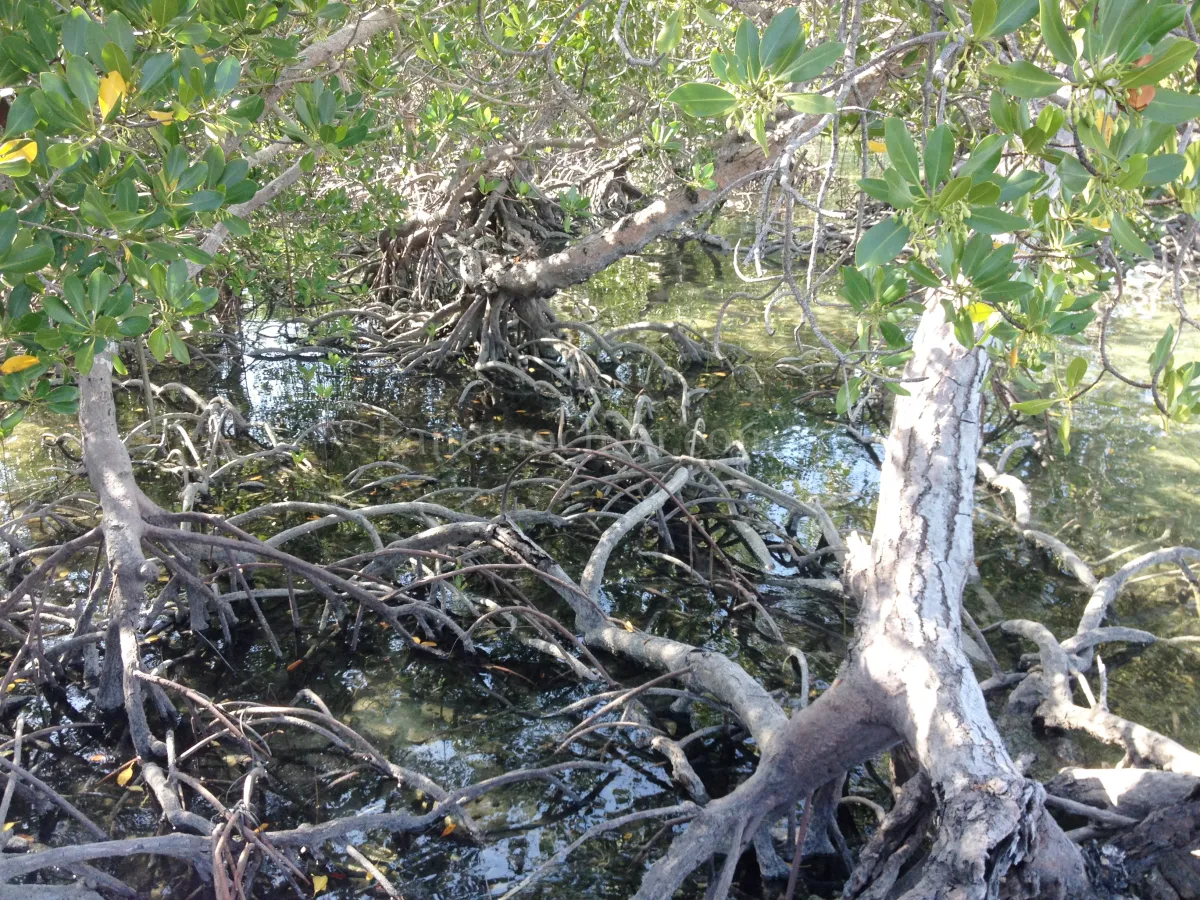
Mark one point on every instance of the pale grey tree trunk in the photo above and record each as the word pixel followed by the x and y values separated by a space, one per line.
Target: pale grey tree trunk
pixel 907 678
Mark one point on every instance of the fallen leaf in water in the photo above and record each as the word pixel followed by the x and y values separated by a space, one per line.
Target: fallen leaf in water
pixel 293 666
pixel 8 826
pixel 320 883
pixel 96 758
pixel 449 829
pixel 125 775
pixel 628 625
pixel 136 788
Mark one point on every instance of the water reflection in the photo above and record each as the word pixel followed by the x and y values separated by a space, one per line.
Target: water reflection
pixel 1125 481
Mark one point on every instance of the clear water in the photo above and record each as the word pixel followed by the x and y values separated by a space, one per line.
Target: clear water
pixel 1126 481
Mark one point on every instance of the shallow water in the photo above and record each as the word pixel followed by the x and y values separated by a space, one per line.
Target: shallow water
pixel 1126 481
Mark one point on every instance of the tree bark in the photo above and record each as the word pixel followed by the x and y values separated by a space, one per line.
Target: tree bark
pixel 906 677
pixel 908 649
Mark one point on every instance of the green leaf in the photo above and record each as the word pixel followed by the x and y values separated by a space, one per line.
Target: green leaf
pixel 179 349
pixel 18 167
pixel 1126 235
pixel 1055 34
pixel 132 326
pixel 939 154
pixel 85 356
pixel 745 47
pixel 21 115
pixel 900 193
pixel 990 220
pixel 782 42
pixel 1171 57
pixel 816 60
pixel 1070 323
pixel 813 104
pixel 83 81
pixel 59 311
pixel 760 131
pixel 1035 407
pixel 985 157
pixel 1075 371
pixel 249 108
pixel 1064 432
pixel 1172 107
pixel 876 188
pixel 63 156
pixel 704 101
pixel 229 72
pixel 892 334
pixel 1012 14
pixel 882 243
pixel 153 70
pixel 1162 350
pixel 116 61
pixel 11 421
pixel 1018 184
pixel 922 274
pixel 983 17
pixel 901 150
pixel 1163 168
pixel 335 10
pixel 1006 292
pixel 157 342
pixel 1023 79
pixel 9 224
pixel 670 34
pixel 955 190
pixel 205 201
pixel 856 288
pixel 29 259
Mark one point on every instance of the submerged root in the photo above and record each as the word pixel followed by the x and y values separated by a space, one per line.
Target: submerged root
pixel 454 581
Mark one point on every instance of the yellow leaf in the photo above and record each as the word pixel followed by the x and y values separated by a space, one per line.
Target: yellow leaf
pixel 19 363
pixel 10 150
pixel 628 625
pixel 877 146
pixel 112 89
pixel 125 775
pixel 449 829
pixel 161 115
pixel 979 312
pixel 8 826
pixel 320 883
pixel 136 788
